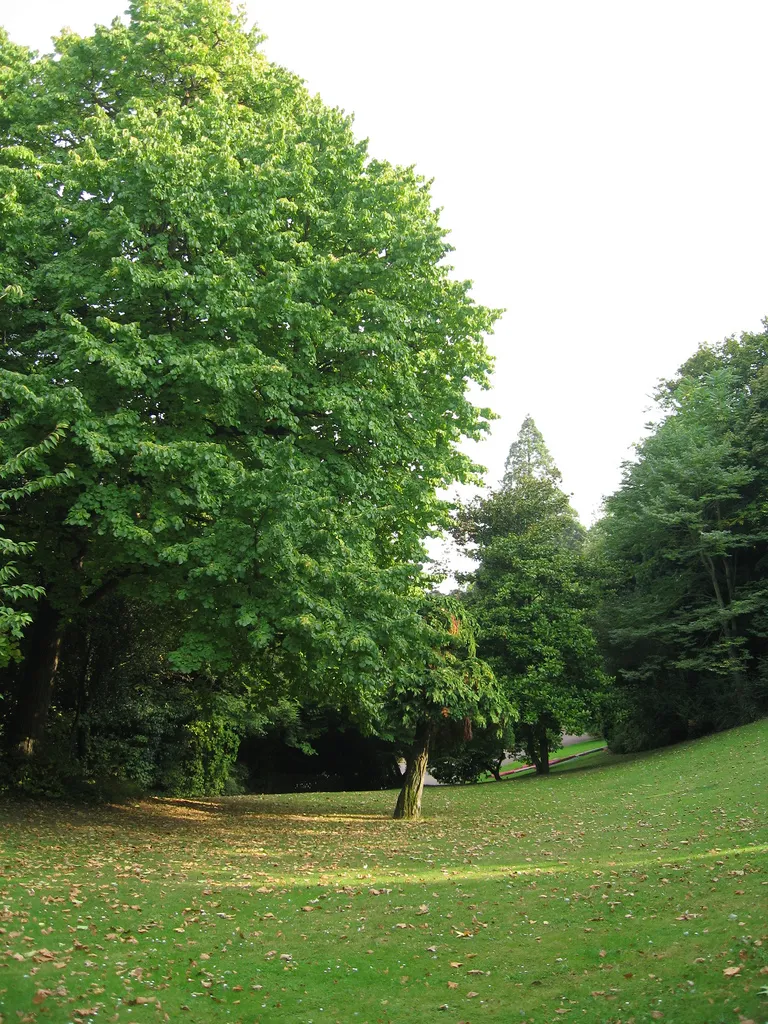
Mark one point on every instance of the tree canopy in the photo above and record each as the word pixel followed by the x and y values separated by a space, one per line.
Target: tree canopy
pixel 244 332
pixel 686 539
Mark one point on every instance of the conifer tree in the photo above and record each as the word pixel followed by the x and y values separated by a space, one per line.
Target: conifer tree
pixel 531 594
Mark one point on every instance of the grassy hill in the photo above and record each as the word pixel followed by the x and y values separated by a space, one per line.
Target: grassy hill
pixel 635 890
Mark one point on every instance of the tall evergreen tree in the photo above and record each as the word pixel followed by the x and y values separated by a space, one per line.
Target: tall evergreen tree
pixel 531 595
pixel 529 458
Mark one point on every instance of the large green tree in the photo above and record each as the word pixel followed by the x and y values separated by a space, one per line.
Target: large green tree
pixel 250 328
pixel 686 537
pixel 531 594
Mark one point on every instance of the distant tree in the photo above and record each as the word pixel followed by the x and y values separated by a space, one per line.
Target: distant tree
pixel 458 759
pixel 685 619
pixel 531 594
pixel 250 328
pixel 450 684
pixel 529 458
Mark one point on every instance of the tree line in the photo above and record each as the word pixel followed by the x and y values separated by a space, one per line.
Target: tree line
pixel 234 376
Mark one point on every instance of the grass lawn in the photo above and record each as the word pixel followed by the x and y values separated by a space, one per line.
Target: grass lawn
pixel 633 891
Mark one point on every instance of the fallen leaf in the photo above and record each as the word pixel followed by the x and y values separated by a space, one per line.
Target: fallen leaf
pixel 730 972
pixel 471 995
pixel 453 984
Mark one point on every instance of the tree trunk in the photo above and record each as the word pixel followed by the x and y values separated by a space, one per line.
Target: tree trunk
pixel 409 801
pixel 35 680
pixel 542 762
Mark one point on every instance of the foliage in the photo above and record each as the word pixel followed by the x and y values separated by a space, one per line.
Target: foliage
pixel 686 537
pixel 531 594
pixel 28 465
pixel 668 840
pixel 456 759
pixel 250 329
pixel 448 684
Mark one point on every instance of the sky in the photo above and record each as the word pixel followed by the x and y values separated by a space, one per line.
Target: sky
pixel 600 165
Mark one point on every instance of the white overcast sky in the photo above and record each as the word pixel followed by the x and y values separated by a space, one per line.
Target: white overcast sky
pixel 601 165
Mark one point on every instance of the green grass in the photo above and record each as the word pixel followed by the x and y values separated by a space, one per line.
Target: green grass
pixel 622 892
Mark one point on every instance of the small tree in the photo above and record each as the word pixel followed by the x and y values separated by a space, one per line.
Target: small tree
pixel 453 685
pixel 531 593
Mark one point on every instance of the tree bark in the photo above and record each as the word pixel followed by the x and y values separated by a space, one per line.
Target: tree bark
pixel 409 801
pixel 36 680
pixel 542 764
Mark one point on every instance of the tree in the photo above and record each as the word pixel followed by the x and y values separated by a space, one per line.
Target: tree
pixel 531 595
pixel 451 684
pixel 456 759
pixel 249 326
pixel 529 458
pixel 684 621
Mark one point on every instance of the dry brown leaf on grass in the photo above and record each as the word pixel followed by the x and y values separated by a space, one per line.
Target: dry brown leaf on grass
pixel 453 984
pixel 730 972
pixel 471 995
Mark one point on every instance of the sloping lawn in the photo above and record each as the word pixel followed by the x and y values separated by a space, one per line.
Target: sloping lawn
pixel 633 891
